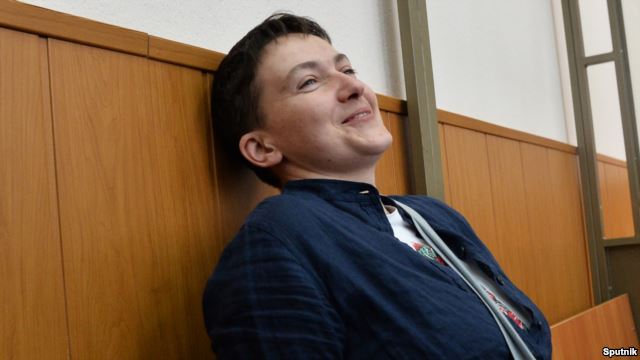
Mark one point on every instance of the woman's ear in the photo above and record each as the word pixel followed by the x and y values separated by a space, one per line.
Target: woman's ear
pixel 257 148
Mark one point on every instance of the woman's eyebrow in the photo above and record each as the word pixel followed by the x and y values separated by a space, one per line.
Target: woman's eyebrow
pixel 339 58
pixel 313 64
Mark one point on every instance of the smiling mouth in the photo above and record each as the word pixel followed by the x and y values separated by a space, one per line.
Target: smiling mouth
pixel 357 116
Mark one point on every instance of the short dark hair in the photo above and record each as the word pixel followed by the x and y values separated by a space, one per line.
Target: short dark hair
pixel 235 95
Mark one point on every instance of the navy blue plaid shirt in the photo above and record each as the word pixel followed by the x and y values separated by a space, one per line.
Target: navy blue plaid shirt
pixel 316 273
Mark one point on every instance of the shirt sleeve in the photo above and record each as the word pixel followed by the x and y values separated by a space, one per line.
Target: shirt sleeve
pixel 261 303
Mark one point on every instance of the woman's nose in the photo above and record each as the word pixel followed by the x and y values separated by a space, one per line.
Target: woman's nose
pixel 349 87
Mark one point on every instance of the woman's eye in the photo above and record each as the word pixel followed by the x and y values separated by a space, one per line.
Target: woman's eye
pixel 308 82
pixel 349 71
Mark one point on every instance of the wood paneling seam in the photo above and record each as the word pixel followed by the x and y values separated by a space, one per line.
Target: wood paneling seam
pixel 491 181
pixel 54 154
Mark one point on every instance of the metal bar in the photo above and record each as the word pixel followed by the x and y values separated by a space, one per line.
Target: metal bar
pixel 586 150
pixel 609 243
pixel 629 123
pixel 599 59
pixel 421 104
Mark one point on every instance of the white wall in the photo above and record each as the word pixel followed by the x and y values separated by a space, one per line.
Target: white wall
pixel 565 78
pixel 496 60
pixel 603 91
pixel 367 31
pixel 605 110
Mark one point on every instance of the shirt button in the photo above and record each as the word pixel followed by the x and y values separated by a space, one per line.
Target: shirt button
pixel 364 192
pixel 463 252
pixel 500 280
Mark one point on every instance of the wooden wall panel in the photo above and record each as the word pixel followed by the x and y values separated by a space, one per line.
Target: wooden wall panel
pixel 138 204
pixel 615 196
pixel 400 151
pixel 445 166
pixel 385 169
pixel 392 177
pixel 470 181
pixel 542 227
pixel 32 307
pixel 183 54
pixel 573 257
pixel 523 200
pixel 513 233
pixel 605 207
pixel 465 122
pixel 583 336
pixel 558 245
pixel 622 223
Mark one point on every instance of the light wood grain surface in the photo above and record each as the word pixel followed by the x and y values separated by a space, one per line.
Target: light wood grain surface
pixel 541 220
pixel 32 307
pixel 137 202
pixel 445 166
pixel 470 181
pixel 513 232
pixel 584 336
pixel 400 151
pixel 558 245
pixel 182 54
pixel 569 222
pixel 611 160
pixel 523 200
pixel 470 123
pixel 615 198
pixel 385 170
pixel 392 177
pixel 392 104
